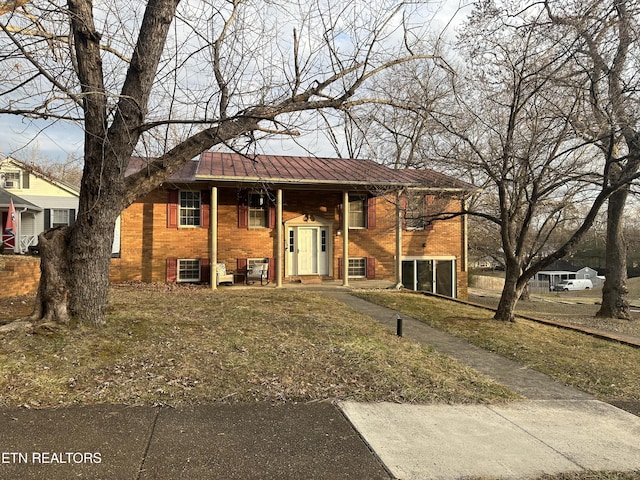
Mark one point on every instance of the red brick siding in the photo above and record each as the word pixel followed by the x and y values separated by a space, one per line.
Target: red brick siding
pixel 146 241
pixel 20 276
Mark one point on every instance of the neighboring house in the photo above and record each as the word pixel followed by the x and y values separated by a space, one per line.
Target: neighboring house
pixel 307 218
pixel 563 270
pixel 41 202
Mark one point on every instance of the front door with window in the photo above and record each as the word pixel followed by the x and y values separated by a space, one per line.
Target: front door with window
pixel 308 251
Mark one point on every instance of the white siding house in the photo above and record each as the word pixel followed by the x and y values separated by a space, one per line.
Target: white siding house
pixel 563 270
pixel 44 202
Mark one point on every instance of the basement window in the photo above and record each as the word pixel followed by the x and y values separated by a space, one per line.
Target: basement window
pixel 188 270
pixel 357 268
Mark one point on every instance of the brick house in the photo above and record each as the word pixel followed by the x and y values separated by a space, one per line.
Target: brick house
pixel 306 217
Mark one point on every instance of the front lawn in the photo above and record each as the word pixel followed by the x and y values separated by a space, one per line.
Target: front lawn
pixel 170 345
pixel 607 370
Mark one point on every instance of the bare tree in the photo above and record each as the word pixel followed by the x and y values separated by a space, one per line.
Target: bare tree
pixel 604 42
pixel 214 72
pixel 68 170
pixel 510 127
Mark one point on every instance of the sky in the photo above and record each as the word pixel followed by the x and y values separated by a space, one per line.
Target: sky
pixel 25 138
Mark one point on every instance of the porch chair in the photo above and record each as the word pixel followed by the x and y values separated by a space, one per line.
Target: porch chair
pixel 259 271
pixel 222 276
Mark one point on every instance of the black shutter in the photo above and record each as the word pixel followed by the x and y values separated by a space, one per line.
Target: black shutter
pixel 72 216
pixel 47 218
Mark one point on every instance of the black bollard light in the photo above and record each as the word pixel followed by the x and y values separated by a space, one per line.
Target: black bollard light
pixel 399 326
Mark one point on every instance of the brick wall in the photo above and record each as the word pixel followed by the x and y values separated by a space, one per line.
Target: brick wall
pixel 20 275
pixel 146 241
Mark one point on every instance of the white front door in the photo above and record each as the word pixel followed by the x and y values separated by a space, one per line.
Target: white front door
pixel 307 252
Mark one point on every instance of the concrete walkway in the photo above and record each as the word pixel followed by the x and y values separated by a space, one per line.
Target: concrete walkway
pixel 529 383
pixel 557 429
pixel 517 440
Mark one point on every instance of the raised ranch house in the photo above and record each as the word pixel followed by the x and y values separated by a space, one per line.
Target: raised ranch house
pixel 41 202
pixel 307 219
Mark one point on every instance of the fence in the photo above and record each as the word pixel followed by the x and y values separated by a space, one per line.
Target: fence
pixel 538 286
pixel 484 282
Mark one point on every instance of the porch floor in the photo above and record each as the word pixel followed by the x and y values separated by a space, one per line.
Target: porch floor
pixel 324 285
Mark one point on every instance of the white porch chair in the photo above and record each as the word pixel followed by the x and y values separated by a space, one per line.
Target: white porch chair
pixel 222 276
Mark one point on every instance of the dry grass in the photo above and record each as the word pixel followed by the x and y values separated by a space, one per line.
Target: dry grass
pixel 594 476
pixel 582 475
pixel 173 345
pixel 608 370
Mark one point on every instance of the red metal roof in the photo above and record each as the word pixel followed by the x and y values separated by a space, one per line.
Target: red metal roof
pixel 234 167
pixel 314 170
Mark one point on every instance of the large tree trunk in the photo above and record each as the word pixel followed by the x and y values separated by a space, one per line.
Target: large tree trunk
pixel 90 260
pixel 74 271
pixel 75 260
pixel 53 291
pixel 510 294
pixel 614 291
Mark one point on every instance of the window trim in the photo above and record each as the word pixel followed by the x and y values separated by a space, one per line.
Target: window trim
pixel 415 197
pixel 179 270
pixel 17 178
pixel 364 201
pixel 434 259
pixel 197 211
pixel 55 224
pixel 363 266
pixel 263 209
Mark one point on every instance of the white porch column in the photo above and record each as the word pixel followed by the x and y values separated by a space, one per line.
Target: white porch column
pixel 465 238
pixel 279 239
pixel 345 239
pixel 213 222
pixel 398 239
